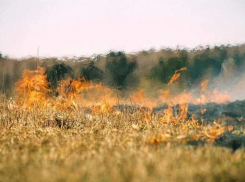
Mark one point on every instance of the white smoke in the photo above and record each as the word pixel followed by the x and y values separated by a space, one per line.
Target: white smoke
pixel 230 81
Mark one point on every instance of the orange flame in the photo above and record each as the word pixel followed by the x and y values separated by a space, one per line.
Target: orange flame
pixel 33 86
pixel 81 92
pixel 176 75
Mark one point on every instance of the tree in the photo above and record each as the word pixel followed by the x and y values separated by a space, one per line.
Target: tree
pixel 239 59
pixel 207 63
pixel 166 69
pixel 119 68
pixel 58 72
pixel 91 72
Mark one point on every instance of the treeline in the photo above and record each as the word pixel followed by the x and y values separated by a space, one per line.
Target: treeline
pixel 130 71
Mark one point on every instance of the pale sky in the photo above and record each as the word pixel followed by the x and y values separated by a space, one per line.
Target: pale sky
pixel 85 27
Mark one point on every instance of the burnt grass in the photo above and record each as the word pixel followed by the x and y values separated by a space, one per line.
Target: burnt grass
pixel 232 113
pixel 229 114
pixel 232 140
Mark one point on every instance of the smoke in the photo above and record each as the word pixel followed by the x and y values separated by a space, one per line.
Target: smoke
pixel 231 80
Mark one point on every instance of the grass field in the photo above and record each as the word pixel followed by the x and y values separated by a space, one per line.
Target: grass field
pixel 40 144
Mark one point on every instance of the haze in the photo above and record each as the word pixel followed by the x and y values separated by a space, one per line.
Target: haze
pixel 85 27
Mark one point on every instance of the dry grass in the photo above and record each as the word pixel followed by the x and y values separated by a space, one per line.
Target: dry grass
pixel 49 145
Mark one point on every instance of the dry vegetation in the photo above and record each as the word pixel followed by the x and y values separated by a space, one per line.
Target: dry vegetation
pixel 48 145
pixel 74 138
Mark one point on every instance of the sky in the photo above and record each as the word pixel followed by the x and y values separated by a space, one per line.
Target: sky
pixel 87 27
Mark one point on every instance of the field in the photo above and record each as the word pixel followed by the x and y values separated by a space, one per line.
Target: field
pixel 71 138
pixel 115 147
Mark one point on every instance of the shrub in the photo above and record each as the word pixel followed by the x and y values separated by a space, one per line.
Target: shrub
pixel 239 59
pixel 230 140
pixel 58 72
pixel 91 72
pixel 207 63
pixel 166 69
pixel 119 68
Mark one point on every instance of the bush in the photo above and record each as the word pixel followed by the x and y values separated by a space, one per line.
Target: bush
pixel 91 72
pixel 209 62
pixel 119 68
pixel 166 69
pixel 58 72
pixel 230 140
pixel 238 59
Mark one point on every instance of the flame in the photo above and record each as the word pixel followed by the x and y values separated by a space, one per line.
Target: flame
pixel 140 98
pixel 72 89
pixel 208 133
pixel 183 101
pixel 176 75
pixel 165 94
pixel 33 87
pixel 183 112
pixel 168 115
pixel 75 93
pixel 204 85
pixel 87 94
pixel 33 90
pixel 220 97
pixel 204 97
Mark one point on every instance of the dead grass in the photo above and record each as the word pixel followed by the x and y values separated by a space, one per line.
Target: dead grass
pixel 48 145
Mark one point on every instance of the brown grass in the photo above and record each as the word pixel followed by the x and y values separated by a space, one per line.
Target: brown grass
pixel 39 144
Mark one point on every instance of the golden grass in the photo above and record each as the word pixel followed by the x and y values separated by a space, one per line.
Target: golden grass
pixel 41 144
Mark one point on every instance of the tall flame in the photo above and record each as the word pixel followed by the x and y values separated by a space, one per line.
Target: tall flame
pixel 33 87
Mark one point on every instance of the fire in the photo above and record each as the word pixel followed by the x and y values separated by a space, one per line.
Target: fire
pixel 87 94
pixel 183 101
pixel 140 98
pixel 33 87
pixel 204 85
pixel 220 97
pixel 190 130
pixel 211 96
pixel 165 94
pixel 204 97
pixel 183 111
pixel 102 99
pixel 185 98
pixel 72 89
pixel 176 75
pixel 74 93
pixel 168 115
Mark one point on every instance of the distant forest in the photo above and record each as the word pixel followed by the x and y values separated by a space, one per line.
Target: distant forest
pixel 149 70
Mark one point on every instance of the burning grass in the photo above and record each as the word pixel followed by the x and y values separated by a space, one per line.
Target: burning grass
pixel 81 136
pixel 49 145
